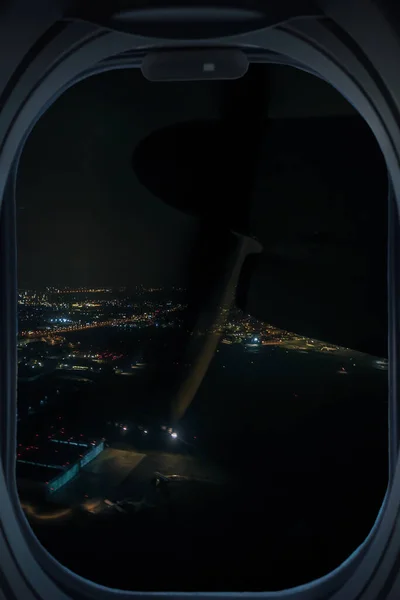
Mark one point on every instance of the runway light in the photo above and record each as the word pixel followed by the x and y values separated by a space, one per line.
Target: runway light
pixel 174 435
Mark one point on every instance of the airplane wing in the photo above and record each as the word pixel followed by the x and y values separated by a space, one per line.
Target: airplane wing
pixel 316 203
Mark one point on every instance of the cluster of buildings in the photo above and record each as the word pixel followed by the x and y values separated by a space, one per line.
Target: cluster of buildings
pixel 47 460
pixel 70 310
pixel 244 329
pixel 57 311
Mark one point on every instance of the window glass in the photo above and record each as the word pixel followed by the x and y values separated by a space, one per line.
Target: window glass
pixel 169 439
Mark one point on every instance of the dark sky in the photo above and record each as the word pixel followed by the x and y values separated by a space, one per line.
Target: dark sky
pixel 83 218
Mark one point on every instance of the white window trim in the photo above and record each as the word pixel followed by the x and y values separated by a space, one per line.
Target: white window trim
pixel 75 51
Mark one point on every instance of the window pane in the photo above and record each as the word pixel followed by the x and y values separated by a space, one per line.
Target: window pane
pixel 270 470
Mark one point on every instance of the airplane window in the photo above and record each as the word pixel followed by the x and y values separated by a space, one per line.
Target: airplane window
pixel 187 421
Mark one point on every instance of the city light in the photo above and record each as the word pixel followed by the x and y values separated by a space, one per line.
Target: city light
pixel 174 435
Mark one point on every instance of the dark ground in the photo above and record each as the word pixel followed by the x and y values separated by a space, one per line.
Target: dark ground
pixel 303 451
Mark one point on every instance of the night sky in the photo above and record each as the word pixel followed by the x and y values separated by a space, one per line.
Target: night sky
pixel 83 217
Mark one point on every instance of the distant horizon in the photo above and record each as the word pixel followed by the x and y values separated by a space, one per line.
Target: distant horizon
pixel 96 287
